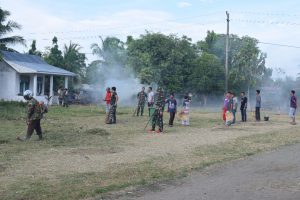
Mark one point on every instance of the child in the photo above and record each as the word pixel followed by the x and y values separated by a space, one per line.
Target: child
pixel 185 111
pixel 172 108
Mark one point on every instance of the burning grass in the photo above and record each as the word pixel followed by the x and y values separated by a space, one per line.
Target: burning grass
pixel 82 157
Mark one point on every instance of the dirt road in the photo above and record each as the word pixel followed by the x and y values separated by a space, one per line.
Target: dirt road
pixel 268 176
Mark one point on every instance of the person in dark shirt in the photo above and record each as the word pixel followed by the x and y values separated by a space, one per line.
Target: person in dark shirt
pixel 257 106
pixel 243 107
pixel 293 107
pixel 172 108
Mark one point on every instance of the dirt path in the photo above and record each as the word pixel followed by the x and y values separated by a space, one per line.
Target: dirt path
pixel 273 175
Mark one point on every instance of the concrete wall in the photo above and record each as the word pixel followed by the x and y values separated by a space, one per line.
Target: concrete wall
pixel 8 79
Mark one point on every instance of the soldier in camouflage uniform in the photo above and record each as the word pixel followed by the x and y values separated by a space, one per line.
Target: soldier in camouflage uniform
pixel 112 119
pixel 35 111
pixel 157 118
pixel 142 96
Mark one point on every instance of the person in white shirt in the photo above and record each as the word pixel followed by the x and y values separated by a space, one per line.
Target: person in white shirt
pixel 150 99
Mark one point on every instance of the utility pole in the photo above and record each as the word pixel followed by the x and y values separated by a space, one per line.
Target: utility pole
pixel 226 53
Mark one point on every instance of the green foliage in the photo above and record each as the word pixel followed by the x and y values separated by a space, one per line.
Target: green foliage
pixel 6 27
pixel 165 60
pixel 74 61
pixel 12 110
pixel 54 56
pixel 208 75
pixel 33 50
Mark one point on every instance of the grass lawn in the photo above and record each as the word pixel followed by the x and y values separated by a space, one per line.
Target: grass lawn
pixel 81 157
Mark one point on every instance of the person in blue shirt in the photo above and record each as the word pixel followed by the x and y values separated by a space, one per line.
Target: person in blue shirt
pixel 172 108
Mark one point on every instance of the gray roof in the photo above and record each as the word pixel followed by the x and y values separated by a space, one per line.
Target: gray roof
pixel 26 63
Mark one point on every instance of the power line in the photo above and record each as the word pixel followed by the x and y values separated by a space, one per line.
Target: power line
pixel 266 13
pixel 267 22
pixel 281 45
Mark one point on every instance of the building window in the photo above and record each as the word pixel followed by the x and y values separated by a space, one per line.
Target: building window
pixel 39 85
pixel 24 83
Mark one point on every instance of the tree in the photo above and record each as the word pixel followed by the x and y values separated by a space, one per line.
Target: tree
pixel 74 61
pixel 33 51
pixel 112 61
pixel 111 51
pixel 8 27
pixel 208 76
pixel 54 56
pixel 165 60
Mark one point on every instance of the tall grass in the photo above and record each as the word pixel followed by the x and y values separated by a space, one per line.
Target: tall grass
pixel 12 110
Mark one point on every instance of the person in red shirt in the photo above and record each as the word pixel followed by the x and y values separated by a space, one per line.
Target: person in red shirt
pixel 107 99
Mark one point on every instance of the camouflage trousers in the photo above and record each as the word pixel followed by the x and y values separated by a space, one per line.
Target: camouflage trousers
pixel 140 107
pixel 112 118
pixel 157 119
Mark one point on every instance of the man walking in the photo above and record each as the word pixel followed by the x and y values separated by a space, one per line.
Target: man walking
pixel 150 99
pixel 142 96
pixel 293 107
pixel 172 108
pixel 257 106
pixel 35 112
pixel 157 118
pixel 243 107
pixel 112 118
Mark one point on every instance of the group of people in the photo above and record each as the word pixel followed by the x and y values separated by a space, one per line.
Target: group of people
pixel 156 103
pixel 111 100
pixel 230 107
pixel 63 96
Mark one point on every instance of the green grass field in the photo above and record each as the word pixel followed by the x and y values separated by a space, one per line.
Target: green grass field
pixel 81 157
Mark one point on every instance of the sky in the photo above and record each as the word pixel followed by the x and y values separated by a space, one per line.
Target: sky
pixel 83 21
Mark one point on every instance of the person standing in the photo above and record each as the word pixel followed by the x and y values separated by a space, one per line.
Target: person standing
pixel 243 107
pixel 107 100
pixel 150 99
pixel 293 107
pixel 35 112
pixel 60 96
pixel 112 118
pixel 142 96
pixel 65 98
pixel 172 108
pixel 186 111
pixel 157 118
pixel 226 105
pixel 234 107
pixel 257 106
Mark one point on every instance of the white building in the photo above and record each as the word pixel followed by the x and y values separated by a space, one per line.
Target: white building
pixel 20 72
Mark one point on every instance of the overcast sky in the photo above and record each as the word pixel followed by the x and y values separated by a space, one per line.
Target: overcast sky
pixel 81 21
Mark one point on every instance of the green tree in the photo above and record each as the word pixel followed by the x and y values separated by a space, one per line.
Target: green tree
pixel 208 76
pixel 112 60
pixel 162 59
pixel 8 26
pixel 74 61
pixel 53 55
pixel 111 51
pixel 33 50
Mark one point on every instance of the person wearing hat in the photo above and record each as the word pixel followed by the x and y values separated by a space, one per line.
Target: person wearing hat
pixel 157 117
pixel 35 112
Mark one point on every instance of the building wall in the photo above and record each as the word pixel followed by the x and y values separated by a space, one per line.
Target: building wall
pixel 8 79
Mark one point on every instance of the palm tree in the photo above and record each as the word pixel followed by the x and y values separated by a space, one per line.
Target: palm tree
pixel 8 27
pixel 73 60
